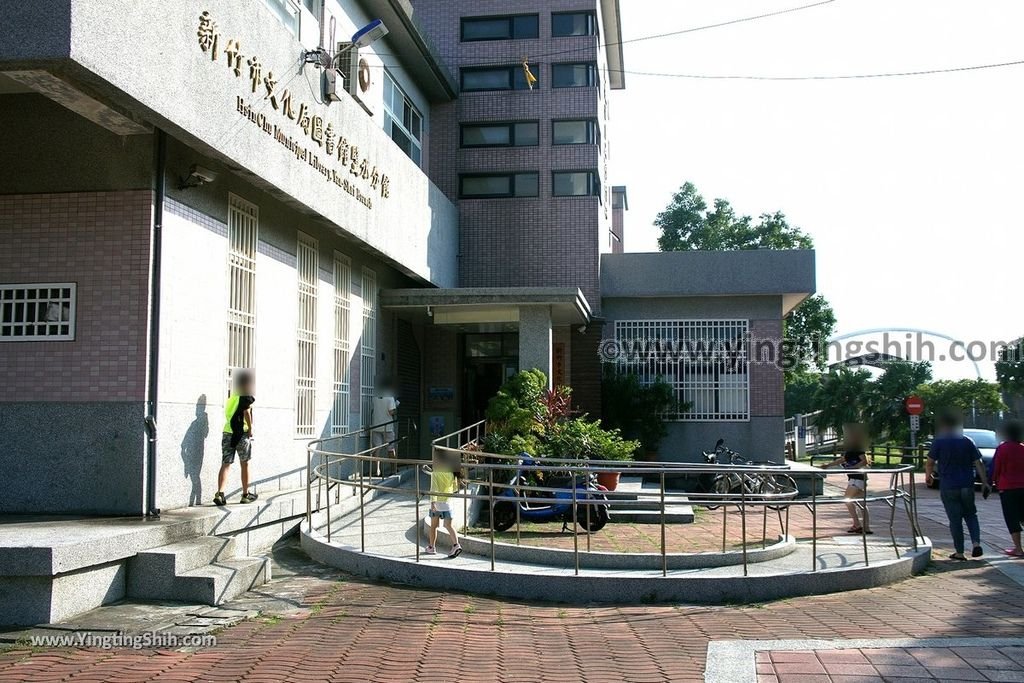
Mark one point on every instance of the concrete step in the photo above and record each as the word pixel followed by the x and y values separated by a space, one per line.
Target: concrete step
pixel 221 581
pixel 177 558
pixel 675 514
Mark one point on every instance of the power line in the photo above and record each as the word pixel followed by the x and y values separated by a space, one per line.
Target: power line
pixel 832 77
pixel 693 29
pixel 751 77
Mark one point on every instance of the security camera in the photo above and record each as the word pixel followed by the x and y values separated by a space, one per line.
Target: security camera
pixel 202 174
pixel 369 34
pixel 197 175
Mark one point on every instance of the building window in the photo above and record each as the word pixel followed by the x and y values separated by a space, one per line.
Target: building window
pixel 342 347
pixel 287 12
pixel 500 28
pixel 243 233
pixel 481 78
pixel 402 120
pixel 307 265
pixel 706 362
pixel 38 312
pixel 490 185
pixel 582 132
pixel 368 366
pixel 516 134
pixel 575 184
pixel 564 24
pixel 574 75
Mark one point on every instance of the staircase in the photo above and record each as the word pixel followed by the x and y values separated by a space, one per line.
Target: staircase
pixel 637 502
pixel 204 569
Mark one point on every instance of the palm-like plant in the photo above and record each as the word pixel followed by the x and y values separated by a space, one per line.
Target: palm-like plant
pixel 843 396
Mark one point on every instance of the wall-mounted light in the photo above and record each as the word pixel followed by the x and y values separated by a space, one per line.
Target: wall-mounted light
pixel 197 175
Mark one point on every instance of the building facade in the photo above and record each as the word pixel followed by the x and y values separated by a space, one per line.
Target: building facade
pixel 191 188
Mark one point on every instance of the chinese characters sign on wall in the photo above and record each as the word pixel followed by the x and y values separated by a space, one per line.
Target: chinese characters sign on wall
pixel 340 162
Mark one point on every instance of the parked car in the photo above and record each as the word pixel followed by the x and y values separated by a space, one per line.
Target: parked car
pixel 987 442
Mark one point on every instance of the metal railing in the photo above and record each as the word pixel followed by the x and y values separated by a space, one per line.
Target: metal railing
pixel 350 441
pixel 488 481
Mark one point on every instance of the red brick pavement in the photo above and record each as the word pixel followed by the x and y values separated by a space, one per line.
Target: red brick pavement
pixel 352 630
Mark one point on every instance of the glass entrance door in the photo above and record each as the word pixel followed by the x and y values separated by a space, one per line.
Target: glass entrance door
pixel 490 359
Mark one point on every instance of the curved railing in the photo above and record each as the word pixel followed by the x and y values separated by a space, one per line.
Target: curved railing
pixel 486 482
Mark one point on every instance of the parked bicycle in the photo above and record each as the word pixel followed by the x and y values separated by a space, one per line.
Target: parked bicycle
pixel 744 483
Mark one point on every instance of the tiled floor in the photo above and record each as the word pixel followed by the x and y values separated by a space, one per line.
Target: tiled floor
pixel 346 629
pixel 974 663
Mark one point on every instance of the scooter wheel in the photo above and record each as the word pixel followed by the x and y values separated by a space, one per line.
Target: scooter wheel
pixel 503 515
pixel 598 517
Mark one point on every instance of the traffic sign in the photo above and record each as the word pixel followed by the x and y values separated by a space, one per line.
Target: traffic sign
pixel 915 423
pixel 914 405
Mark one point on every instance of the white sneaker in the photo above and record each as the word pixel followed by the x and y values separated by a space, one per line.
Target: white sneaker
pixel 431 550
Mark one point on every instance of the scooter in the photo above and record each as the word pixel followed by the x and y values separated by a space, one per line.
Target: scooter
pixel 588 494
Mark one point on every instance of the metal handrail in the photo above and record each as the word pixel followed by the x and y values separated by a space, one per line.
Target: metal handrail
pixel 354 434
pixel 478 461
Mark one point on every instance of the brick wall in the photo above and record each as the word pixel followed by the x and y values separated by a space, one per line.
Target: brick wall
pixel 545 241
pixel 99 240
pixel 766 379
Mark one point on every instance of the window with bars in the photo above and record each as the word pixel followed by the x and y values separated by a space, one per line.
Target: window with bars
pixel 307 264
pixel 368 346
pixel 37 312
pixel 706 362
pixel 243 233
pixel 342 348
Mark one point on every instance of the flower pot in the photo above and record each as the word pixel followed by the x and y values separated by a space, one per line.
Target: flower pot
pixel 609 480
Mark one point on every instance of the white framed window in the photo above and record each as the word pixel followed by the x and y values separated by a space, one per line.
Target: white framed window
pixel 706 362
pixel 342 344
pixel 243 234
pixel 368 346
pixel 402 120
pixel 307 265
pixel 38 312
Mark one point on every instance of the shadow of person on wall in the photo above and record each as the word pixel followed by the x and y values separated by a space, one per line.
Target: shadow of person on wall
pixel 193 450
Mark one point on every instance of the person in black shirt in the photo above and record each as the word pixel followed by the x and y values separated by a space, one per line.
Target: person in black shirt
pixel 855 457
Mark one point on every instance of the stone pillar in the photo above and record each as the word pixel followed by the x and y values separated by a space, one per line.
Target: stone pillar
pixel 535 339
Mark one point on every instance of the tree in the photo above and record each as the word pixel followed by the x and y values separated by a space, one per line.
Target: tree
pixel 962 396
pixel 800 393
pixel 1010 368
pixel 687 224
pixel 886 414
pixel 806 331
pixel 842 397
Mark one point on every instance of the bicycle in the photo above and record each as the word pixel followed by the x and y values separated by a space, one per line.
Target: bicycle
pixel 747 483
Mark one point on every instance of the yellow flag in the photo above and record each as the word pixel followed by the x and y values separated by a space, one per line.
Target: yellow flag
pixel 530 78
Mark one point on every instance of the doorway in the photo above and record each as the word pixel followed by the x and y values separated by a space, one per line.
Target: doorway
pixel 490 359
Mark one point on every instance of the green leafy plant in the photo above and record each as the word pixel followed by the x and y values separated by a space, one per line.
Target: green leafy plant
pixel 526 417
pixel 636 409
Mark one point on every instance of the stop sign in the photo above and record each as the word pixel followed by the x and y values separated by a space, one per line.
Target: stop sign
pixel 914 405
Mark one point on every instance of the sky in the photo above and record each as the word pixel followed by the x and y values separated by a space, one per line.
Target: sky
pixel 908 186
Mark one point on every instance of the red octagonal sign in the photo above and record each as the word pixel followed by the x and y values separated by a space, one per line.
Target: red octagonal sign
pixel 914 405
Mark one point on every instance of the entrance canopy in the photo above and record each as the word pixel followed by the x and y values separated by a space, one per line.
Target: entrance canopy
pixel 532 311
pixel 487 305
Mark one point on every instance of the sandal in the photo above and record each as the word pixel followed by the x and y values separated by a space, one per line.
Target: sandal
pixel 855 530
pixel 958 557
pixel 1012 552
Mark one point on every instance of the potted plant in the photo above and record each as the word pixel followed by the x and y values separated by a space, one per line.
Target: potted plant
pixel 525 417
